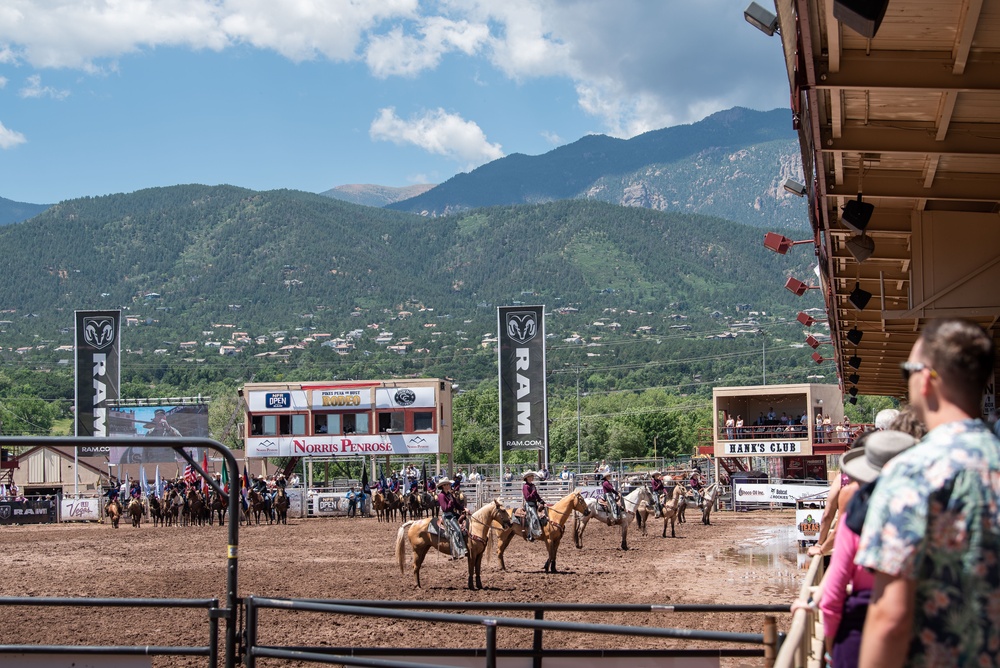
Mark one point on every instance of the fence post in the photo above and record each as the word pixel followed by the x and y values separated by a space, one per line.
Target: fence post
pixel 770 641
pixel 536 645
pixel 491 643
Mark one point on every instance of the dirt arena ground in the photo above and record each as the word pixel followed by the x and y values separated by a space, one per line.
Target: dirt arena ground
pixel 742 558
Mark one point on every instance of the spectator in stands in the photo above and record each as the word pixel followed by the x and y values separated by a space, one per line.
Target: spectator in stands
pixel 931 534
pixel 352 501
pixel 507 475
pixel 885 417
pixel 544 473
pixel 730 427
pixel 739 427
pixel 565 474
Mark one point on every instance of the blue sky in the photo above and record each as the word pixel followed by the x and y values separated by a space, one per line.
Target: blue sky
pixel 109 96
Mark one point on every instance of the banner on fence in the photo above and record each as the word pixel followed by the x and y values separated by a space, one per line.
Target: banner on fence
pixel 27 512
pixel 80 510
pixel 752 492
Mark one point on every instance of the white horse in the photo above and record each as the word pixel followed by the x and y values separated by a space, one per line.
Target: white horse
pixel 708 499
pixel 600 513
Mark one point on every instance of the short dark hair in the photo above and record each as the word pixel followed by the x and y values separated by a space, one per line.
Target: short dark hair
pixel 962 354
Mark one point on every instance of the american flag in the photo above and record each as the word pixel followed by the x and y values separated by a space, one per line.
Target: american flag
pixel 189 475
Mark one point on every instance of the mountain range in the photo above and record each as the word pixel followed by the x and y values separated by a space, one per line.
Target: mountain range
pixel 15 212
pixel 374 195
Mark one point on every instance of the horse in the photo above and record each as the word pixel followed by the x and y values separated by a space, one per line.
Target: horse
pixel 708 499
pixel 559 516
pixel 260 504
pixel 281 506
pixel 671 509
pixel 136 511
pixel 156 510
pixel 598 512
pixel 195 506
pixel 414 504
pixel 114 512
pixel 379 505
pixel 422 537
pixel 640 503
pixel 218 505
pixel 174 506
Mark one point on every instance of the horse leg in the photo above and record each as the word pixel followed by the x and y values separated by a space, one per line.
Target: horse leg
pixel 505 539
pixel 625 524
pixel 479 568
pixel 419 552
pixel 578 534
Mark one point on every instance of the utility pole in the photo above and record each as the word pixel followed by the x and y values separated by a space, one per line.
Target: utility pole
pixel 578 428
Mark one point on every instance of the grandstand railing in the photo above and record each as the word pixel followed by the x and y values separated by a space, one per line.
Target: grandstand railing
pixel 429 611
pixel 803 646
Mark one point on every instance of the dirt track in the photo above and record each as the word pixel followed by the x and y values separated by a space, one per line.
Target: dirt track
pixel 736 560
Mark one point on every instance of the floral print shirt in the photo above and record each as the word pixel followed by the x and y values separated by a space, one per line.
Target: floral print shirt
pixel 935 518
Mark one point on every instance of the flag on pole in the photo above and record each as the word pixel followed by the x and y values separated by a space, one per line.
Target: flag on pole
pixel 364 480
pixel 204 467
pixel 246 477
pixel 225 477
pixel 143 480
pixel 423 476
pixel 159 488
pixel 190 476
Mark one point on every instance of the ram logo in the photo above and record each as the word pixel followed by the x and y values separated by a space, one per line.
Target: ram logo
pixel 521 326
pixel 99 332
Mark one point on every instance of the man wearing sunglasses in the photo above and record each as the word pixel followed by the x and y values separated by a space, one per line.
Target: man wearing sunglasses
pixel 932 532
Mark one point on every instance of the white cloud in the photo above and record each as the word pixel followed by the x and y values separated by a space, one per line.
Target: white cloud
pixel 397 53
pixel 437 132
pixel 10 138
pixel 3 82
pixel 552 138
pixel 34 88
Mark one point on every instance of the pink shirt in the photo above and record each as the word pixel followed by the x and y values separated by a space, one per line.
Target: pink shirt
pixel 842 572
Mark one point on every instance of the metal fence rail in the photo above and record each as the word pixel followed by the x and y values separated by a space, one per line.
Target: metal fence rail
pixel 426 611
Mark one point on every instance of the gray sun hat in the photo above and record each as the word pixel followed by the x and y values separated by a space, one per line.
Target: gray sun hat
pixel 864 464
pixel 528 474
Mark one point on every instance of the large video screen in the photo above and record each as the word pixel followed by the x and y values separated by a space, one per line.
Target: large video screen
pixel 137 422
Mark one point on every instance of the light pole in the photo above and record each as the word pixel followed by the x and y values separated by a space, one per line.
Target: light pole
pixel 578 418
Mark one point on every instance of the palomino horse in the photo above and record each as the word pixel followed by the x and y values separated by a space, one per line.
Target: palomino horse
pixel 114 512
pixel 671 510
pixel 421 539
pixel 708 499
pixel 379 505
pixel 560 514
pixel 260 504
pixel 281 506
pixel 218 505
pixel 599 512
pixel 136 511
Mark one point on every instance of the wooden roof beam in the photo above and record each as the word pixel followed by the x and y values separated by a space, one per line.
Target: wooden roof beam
pixel 974 140
pixel 912 71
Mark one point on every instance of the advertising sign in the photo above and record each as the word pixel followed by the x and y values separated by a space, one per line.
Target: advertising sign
pixel 138 422
pixel 27 512
pixel 405 397
pixel 523 417
pixel 322 445
pixel 342 398
pixel 277 400
pixel 80 510
pixel 98 367
pixel 752 492
pixel 750 448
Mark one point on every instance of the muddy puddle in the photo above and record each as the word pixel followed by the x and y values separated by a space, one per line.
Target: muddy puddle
pixel 770 557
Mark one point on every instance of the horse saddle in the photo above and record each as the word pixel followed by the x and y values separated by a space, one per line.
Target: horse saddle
pixel 436 529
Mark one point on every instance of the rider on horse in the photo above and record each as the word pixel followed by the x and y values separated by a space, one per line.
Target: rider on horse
pixel 696 484
pixel 657 487
pixel 451 512
pixel 612 498
pixel 532 502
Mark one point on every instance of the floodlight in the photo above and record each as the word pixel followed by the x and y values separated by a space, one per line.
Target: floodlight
pixel 861 247
pixel 855 336
pixel 852 400
pixel 817 358
pixel 853 391
pixel 856 214
pixel 780 244
pixel 761 19
pixel 794 187
pixel 858 298
pixel 862 16
pixel 813 342
pixel 807 320
pixel 798 287
pixel 854 379
pixel 854 361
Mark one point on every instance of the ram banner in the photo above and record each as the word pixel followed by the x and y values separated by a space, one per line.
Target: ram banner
pixel 98 368
pixel 523 411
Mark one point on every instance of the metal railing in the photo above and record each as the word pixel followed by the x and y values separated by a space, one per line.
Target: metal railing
pixel 803 646
pixel 428 611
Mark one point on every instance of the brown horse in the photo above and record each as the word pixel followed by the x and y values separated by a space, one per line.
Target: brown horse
pixel 560 514
pixel 218 505
pixel 670 510
pixel 260 504
pixel 281 506
pixel 114 512
pixel 136 511
pixel 173 506
pixel 422 537
pixel 196 506
pixel 156 510
pixel 379 505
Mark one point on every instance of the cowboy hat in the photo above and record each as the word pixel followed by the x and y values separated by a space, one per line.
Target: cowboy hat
pixel 607 475
pixel 444 481
pixel 864 464
pixel 528 474
pixel 655 473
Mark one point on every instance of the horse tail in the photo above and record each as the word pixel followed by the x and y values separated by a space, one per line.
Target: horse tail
pixel 401 546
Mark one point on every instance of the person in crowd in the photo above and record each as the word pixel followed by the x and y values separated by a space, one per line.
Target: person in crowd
pixel 818 431
pixel 452 512
pixel 932 533
pixel 565 473
pixel 612 498
pixel 352 501
pixel 885 417
pixel 841 491
pixel 739 427
pixel 657 487
pixel 534 507
pixel 730 427
pixel 843 613
pixel 507 475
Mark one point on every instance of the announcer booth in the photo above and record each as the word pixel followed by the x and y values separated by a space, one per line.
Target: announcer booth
pixel 789 430
pixel 408 417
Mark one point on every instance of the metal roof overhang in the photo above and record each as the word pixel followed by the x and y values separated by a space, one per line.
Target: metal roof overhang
pixel 911 118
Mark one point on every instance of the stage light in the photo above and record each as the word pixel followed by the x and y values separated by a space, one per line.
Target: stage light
pixel 862 16
pixel 856 214
pixel 853 391
pixel 854 361
pixel 794 187
pixel 761 19
pixel 855 336
pixel 780 244
pixel 812 342
pixel 805 319
pixel 853 379
pixel 858 298
pixel 817 358
pixel 798 287
pixel 861 247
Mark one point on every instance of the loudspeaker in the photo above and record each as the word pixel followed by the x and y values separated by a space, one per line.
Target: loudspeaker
pixel 855 336
pixel 854 361
pixel 857 214
pixel 861 247
pixel 852 400
pixel 859 298
pixel 862 16
pixel 853 379
pixel 853 391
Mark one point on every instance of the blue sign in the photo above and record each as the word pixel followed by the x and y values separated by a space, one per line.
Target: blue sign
pixel 278 399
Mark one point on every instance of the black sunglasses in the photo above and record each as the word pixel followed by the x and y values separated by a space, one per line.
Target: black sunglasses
pixel 910 368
